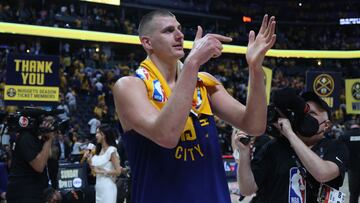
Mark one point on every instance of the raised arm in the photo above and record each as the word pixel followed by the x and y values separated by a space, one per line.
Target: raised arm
pixel 40 161
pixel 321 170
pixel 252 118
pixel 245 176
pixel 165 126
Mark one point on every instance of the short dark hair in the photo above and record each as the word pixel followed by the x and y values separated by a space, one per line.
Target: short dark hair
pixel 147 18
pixel 312 96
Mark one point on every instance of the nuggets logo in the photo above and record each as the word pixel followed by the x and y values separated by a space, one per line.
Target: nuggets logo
pixel 355 91
pixel 11 92
pixel 142 73
pixel 158 94
pixel 324 85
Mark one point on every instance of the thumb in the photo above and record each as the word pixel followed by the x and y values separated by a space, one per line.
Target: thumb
pixel 199 32
pixel 251 37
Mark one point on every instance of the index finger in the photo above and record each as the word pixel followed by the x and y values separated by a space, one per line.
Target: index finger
pixel 264 24
pixel 221 38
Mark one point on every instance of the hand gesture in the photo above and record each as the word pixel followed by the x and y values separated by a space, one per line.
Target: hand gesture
pixel 284 126
pixel 48 126
pixel 206 47
pixel 88 154
pixel 239 145
pixel 260 44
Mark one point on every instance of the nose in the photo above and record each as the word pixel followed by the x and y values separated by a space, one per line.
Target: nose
pixel 179 35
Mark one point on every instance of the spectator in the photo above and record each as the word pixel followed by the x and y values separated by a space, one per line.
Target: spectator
pixel 63 106
pixel 71 100
pixel 94 123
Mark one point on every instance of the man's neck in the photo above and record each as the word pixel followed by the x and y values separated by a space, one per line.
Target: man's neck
pixel 168 69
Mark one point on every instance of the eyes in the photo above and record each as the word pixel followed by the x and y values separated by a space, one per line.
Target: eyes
pixel 313 113
pixel 171 29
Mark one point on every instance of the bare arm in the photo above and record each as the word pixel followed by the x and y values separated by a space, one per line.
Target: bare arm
pixel 165 126
pixel 40 161
pixel 135 111
pixel 321 170
pixel 252 118
pixel 245 176
pixel 116 163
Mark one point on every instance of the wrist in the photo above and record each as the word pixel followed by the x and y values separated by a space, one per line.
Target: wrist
pixel 291 136
pixel 256 70
pixel 193 63
pixel 245 154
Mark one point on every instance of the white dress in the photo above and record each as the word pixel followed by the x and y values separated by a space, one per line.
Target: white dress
pixel 105 186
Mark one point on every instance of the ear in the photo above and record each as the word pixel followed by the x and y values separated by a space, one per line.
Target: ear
pixel 328 124
pixel 146 43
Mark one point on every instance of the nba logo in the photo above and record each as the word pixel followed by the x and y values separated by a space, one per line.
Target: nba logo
pixel 297 186
pixel 142 73
pixel 199 98
pixel 158 94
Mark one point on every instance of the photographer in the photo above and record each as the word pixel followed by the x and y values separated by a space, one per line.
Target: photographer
pixel 28 176
pixel 292 167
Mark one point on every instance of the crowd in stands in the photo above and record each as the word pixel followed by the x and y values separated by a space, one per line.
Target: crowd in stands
pixel 298 27
pixel 86 78
pixel 326 11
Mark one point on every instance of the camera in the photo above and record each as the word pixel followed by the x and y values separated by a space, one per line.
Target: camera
pixel 245 140
pixel 30 119
pixel 286 103
pixel 273 114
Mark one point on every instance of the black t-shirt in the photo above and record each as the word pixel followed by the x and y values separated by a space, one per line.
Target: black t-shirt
pixel 276 171
pixel 352 139
pixel 24 181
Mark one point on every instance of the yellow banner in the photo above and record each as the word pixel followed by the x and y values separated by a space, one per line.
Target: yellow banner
pixel 31 93
pixel 267 80
pixel 65 33
pixel 352 94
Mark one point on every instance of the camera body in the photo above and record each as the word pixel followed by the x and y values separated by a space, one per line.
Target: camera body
pixel 274 113
pixel 30 120
pixel 287 104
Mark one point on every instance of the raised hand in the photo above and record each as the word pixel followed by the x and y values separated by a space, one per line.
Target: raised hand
pixel 260 44
pixel 237 141
pixel 284 126
pixel 206 47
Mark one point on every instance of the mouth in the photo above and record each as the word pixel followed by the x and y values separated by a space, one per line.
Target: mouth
pixel 179 46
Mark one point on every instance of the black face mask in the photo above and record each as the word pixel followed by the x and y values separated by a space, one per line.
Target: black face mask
pixel 308 126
